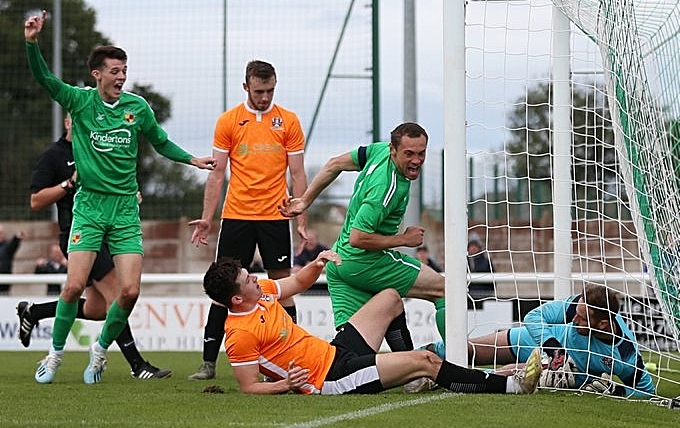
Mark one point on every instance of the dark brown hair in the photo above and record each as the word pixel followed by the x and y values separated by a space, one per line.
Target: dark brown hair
pixel 219 281
pixel 604 302
pixel 101 53
pixel 410 129
pixel 260 69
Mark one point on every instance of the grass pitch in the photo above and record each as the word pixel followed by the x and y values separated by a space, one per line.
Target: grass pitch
pixel 121 401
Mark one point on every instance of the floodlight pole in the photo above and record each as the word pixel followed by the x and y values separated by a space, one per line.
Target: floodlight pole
pixel 413 210
pixel 57 115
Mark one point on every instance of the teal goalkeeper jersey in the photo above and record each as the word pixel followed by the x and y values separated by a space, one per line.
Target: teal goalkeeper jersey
pixel 381 194
pixel 105 136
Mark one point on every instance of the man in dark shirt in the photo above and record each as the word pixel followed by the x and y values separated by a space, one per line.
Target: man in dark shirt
pixel 8 247
pixel 309 251
pixel 478 261
pixel 423 254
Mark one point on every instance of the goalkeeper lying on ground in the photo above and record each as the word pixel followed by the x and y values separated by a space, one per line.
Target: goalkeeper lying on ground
pixel 585 338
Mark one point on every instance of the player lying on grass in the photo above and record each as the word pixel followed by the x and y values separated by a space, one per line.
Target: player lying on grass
pixel 586 339
pixel 262 339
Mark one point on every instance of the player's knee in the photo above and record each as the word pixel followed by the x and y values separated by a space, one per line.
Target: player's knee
pixel 428 361
pixel 392 302
pixel 129 294
pixel 72 290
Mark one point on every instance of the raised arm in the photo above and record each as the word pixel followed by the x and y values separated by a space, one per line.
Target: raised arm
pixel 328 174
pixel 33 26
pixel 307 276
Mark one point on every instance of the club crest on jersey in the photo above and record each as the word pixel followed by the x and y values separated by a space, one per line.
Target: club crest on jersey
pixel 75 238
pixel 277 123
pixel 608 362
pixel 129 117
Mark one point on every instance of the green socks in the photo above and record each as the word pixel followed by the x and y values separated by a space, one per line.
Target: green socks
pixel 116 318
pixel 63 321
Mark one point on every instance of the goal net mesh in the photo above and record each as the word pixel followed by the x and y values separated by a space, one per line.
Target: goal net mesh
pixel 625 165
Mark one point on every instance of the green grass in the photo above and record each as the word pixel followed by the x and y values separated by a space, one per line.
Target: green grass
pixel 121 401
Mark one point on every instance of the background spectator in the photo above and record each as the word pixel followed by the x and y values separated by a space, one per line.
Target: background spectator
pixel 478 259
pixel 55 263
pixel 423 254
pixel 8 247
pixel 308 251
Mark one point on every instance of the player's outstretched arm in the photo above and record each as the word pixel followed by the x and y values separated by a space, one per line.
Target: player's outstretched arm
pixel 33 26
pixel 328 174
pixel 207 162
pixel 307 276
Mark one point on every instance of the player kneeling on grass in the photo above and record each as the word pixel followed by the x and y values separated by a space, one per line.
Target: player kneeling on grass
pixel 261 338
pixel 586 341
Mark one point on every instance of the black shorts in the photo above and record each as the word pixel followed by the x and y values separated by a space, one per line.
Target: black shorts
pixel 353 370
pixel 103 264
pixel 238 239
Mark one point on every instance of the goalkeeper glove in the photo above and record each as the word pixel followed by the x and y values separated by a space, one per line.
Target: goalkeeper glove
pixel 602 385
pixel 559 372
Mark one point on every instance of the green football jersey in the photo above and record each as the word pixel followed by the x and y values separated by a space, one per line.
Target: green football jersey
pixel 105 136
pixel 381 194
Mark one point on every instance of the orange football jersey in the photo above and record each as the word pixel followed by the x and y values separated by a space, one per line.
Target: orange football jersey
pixel 258 144
pixel 267 336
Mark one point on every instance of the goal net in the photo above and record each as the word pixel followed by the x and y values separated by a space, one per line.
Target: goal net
pixel 622 68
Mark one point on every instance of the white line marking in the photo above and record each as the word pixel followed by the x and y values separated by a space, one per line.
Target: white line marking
pixel 371 411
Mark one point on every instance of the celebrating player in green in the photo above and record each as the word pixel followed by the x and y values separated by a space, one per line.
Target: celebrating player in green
pixel 371 230
pixel 106 125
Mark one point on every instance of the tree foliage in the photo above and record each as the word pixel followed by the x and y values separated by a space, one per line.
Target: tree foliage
pixel 594 168
pixel 26 111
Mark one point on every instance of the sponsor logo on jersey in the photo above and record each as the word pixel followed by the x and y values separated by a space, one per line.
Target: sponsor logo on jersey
pixel 277 124
pixel 129 117
pixel 107 141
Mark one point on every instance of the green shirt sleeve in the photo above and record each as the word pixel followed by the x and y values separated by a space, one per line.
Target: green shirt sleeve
pixel 41 72
pixel 159 138
pixel 172 151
